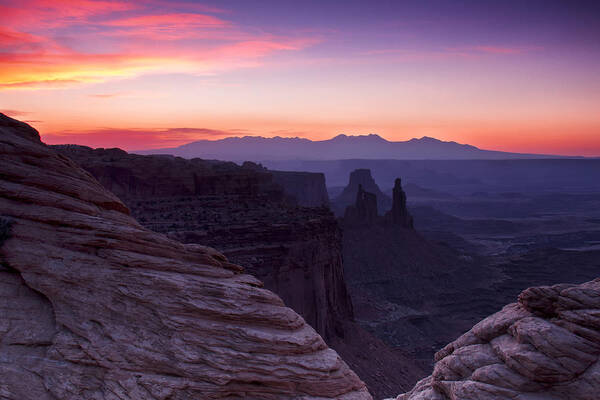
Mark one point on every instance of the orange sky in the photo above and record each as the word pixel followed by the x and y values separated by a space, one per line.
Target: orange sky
pixel 141 75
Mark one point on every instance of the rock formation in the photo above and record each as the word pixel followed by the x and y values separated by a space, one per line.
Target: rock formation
pixel 295 251
pixel 94 306
pixel 399 215
pixel 132 176
pixel 364 211
pixel 240 211
pixel 308 188
pixel 360 177
pixel 546 346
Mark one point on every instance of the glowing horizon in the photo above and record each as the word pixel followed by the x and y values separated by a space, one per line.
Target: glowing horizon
pixel 150 74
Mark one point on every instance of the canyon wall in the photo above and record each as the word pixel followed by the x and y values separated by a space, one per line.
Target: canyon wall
pixel 123 312
pixel 296 251
pixel 308 188
pixel 241 211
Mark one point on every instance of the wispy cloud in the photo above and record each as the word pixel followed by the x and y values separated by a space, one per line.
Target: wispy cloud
pixel 20 114
pixel 491 49
pixel 449 52
pixel 15 113
pixel 104 95
pixel 134 139
pixel 49 44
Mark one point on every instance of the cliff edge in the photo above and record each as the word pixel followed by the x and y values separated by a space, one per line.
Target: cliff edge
pixel 95 306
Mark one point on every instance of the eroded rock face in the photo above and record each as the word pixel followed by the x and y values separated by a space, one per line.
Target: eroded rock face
pixel 126 313
pixel 295 251
pixel 363 178
pixel 308 188
pixel 27 328
pixel 364 210
pixel 244 213
pixel 399 215
pixel 132 176
pixel 546 346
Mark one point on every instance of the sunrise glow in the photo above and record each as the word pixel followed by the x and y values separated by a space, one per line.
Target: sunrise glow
pixel 149 74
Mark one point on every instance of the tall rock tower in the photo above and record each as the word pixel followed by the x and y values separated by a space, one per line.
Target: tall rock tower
pixel 399 215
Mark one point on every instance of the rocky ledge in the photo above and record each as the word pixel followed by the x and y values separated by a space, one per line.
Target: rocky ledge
pixel 545 347
pixel 94 306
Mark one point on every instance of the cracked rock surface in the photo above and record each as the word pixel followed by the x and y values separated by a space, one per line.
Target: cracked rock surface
pixel 94 306
pixel 545 347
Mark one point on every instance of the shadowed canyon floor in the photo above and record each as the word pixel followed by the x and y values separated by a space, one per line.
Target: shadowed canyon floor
pixel 418 290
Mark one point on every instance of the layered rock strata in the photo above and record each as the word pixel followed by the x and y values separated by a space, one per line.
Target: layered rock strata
pixel 242 212
pixel 308 188
pixel 295 251
pixel 546 346
pixel 115 311
pixel 131 176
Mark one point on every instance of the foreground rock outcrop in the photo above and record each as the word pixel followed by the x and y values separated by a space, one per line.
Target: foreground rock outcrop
pixel 546 346
pixel 94 306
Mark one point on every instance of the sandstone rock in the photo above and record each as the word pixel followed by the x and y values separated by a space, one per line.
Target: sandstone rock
pixel 360 177
pixel 399 215
pixel 101 308
pixel 308 188
pixel 546 346
pixel 364 211
pixel 241 211
pixel 131 176
pixel 295 251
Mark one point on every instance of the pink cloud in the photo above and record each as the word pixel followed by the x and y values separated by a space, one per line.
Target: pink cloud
pixel 130 139
pixel 170 20
pixel 15 113
pixel 104 95
pixel 38 14
pixel 116 39
pixel 169 27
pixel 39 84
pixel 11 40
pixel 498 50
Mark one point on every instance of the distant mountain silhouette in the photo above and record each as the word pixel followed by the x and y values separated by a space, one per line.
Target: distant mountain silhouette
pixel 257 148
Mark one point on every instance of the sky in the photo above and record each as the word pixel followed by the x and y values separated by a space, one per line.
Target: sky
pixel 508 75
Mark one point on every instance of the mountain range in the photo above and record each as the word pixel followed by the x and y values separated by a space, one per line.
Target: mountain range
pixel 257 148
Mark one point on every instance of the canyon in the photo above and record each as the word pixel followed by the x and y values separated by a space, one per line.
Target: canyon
pixel 242 212
pixel 124 312
pixel 418 289
pixel 253 216
pixel 110 291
